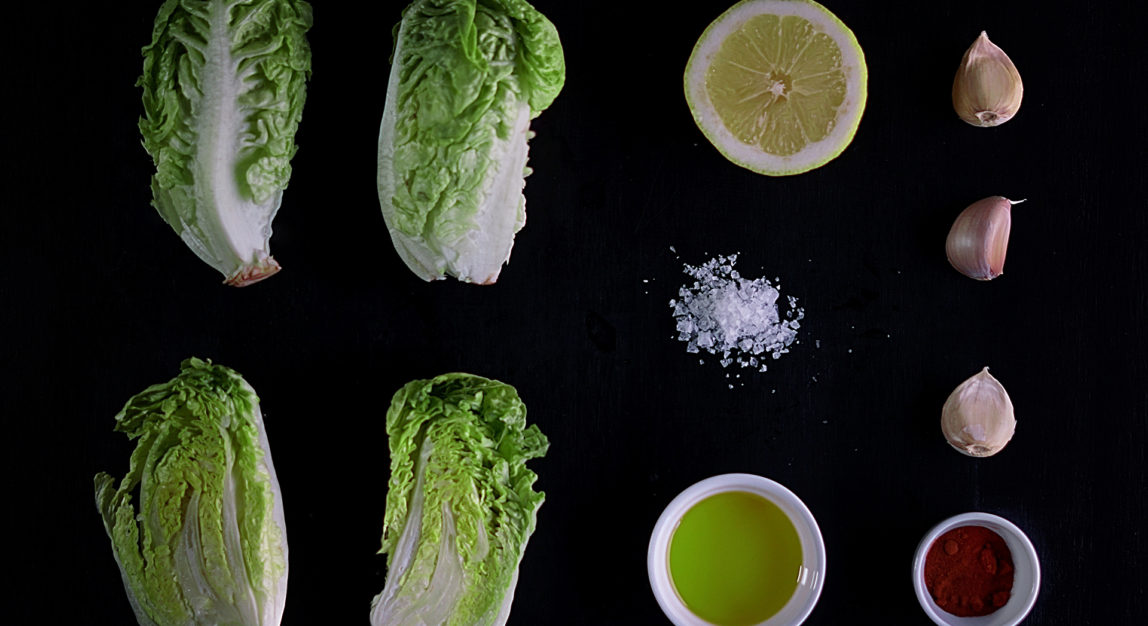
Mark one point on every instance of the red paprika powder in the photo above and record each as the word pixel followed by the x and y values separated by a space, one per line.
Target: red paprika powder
pixel 969 571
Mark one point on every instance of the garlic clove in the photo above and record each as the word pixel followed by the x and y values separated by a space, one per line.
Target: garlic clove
pixel 978 240
pixel 978 418
pixel 987 89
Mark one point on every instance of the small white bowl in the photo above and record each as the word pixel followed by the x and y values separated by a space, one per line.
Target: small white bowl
pixel 812 577
pixel 1026 577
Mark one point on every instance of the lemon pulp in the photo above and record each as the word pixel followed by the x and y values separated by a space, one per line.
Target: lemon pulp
pixel 777 83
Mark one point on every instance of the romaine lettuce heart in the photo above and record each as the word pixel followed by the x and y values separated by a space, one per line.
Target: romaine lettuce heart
pixel 467 76
pixel 223 90
pixel 197 523
pixel 460 502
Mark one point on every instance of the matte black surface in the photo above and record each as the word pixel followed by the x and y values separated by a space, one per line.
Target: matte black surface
pixel 101 299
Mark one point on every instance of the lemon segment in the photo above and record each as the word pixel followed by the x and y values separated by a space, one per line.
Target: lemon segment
pixel 778 86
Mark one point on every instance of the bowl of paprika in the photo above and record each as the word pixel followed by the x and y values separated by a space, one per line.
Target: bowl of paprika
pixel 976 569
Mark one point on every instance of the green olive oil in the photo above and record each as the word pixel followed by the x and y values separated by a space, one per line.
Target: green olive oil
pixel 735 558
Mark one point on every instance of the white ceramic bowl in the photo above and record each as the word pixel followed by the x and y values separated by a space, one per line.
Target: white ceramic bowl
pixel 1026 579
pixel 812 577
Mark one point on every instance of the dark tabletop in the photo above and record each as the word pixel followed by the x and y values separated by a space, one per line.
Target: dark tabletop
pixel 101 299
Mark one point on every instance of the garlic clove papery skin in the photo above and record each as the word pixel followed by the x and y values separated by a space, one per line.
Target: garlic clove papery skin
pixel 978 240
pixel 987 90
pixel 978 418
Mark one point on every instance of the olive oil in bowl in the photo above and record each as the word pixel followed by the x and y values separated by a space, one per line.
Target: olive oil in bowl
pixel 735 559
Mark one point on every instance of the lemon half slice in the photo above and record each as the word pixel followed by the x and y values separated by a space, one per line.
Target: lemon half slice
pixel 777 86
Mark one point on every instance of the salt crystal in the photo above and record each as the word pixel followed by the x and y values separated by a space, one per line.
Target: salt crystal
pixel 725 313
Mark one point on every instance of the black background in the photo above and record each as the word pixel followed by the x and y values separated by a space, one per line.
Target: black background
pixel 101 299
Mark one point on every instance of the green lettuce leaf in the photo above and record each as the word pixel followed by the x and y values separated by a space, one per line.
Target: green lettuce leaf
pixel 197 523
pixel 466 79
pixel 223 91
pixel 460 502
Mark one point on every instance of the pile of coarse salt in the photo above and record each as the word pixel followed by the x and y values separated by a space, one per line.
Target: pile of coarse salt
pixel 737 318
